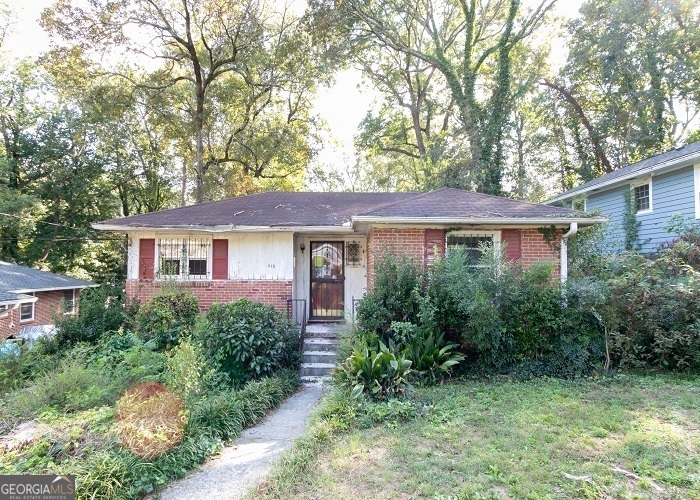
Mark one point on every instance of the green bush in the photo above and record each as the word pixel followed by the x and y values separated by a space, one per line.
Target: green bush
pixel 167 316
pixel 376 369
pixel 187 373
pixel 246 340
pixel 648 305
pixel 395 296
pixel 657 315
pixel 71 387
pixel 516 319
pixel 101 310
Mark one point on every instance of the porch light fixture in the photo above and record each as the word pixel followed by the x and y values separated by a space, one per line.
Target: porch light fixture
pixel 302 247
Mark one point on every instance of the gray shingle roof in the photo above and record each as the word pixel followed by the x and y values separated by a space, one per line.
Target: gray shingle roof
pixel 16 278
pixel 288 209
pixel 267 209
pixel 457 203
pixel 691 151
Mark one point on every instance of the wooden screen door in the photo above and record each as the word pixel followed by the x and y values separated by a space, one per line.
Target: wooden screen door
pixel 327 279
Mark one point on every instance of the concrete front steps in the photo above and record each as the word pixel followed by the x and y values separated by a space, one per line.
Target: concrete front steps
pixel 318 358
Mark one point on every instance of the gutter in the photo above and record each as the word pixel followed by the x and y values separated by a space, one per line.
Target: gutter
pixel 658 167
pixel 564 264
pixel 54 289
pixel 503 221
pixel 17 302
pixel 345 228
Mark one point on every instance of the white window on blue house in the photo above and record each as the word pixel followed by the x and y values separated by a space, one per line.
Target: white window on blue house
pixel 641 196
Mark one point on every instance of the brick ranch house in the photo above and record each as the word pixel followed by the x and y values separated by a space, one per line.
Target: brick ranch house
pixel 321 247
pixel 30 298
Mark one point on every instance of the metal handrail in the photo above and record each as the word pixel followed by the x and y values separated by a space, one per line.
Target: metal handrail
pixel 296 313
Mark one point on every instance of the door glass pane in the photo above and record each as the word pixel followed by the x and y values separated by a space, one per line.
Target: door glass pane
pixel 327 261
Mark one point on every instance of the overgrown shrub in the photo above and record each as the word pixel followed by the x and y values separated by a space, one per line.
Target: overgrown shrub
pixel 395 296
pixel 647 305
pixel 100 310
pixel 508 318
pixel 187 372
pixel 658 315
pixel 167 316
pixel 245 339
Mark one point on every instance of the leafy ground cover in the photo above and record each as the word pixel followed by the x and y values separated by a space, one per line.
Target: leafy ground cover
pixel 126 411
pixel 624 437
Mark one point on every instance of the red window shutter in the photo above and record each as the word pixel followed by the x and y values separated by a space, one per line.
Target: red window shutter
pixel 147 258
pixel 434 241
pixel 511 239
pixel 220 266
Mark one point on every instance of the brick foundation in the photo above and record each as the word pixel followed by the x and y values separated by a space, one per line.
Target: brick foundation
pixel 208 292
pixel 48 306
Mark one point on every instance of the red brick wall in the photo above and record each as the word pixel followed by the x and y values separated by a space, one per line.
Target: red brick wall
pixel 208 292
pixel 408 242
pixel 411 243
pixel 47 306
pixel 535 248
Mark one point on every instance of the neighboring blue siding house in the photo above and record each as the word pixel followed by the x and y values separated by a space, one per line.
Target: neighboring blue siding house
pixel 658 187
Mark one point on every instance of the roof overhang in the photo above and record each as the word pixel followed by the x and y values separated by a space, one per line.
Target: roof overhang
pixel 21 299
pixel 491 221
pixel 675 163
pixel 345 228
pixel 54 289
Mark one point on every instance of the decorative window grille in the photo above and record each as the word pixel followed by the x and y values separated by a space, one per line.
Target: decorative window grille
pixel 353 254
pixel 184 258
pixel 471 243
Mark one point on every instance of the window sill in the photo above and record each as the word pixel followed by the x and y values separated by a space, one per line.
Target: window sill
pixel 644 212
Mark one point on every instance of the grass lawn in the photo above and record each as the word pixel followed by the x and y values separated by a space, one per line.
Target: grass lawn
pixel 537 439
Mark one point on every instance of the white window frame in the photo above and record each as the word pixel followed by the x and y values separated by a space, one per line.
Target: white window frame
pixel 33 305
pixel 578 199
pixel 72 310
pixel 182 277
pixel 494 234
pixel 696 169
pixel 639 183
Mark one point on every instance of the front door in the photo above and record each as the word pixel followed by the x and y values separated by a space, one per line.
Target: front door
pixel 327 279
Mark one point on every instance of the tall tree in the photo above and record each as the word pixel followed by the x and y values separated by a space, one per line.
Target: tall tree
pixel 241 49
pixel 632 78
pixel 470 43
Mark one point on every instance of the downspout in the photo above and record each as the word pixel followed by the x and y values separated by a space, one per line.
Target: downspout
pixel 564 265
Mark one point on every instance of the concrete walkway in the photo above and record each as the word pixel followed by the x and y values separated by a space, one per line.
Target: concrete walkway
pixel 241 466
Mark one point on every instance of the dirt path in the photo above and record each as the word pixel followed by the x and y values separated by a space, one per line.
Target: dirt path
pixel 242 465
